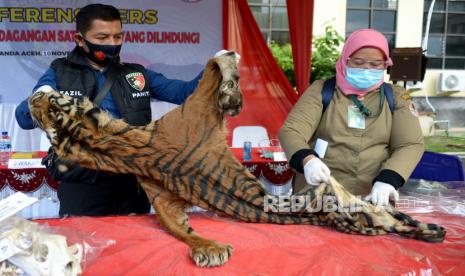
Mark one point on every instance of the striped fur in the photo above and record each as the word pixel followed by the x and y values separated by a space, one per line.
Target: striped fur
pixel 182 159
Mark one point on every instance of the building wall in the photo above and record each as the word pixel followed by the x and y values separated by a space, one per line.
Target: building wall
pixel 409 23
pixel 408 34
pixel 329 13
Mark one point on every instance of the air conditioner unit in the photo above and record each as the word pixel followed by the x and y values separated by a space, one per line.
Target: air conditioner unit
pixel 451 82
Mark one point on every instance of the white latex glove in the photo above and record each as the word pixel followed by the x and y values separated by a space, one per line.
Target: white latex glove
pixel 316 172
pixel 381 193
pixel 222 52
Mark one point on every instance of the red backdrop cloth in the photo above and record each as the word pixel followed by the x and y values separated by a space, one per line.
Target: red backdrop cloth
pixel 300 16
pixel 143 247
pixel 268 95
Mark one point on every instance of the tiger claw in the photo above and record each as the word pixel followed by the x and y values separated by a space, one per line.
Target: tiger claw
pixel 214 254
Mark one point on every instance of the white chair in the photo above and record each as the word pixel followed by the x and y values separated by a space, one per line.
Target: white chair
pixel 253 134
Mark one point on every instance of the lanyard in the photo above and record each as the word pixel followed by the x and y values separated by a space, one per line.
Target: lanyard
pixel 365 111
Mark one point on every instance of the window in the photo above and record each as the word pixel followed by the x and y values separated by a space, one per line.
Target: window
pixel 375 14
pixel 446 38
pixel 271 17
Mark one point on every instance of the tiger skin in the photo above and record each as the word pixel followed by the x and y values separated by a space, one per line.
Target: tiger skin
pixel 182 159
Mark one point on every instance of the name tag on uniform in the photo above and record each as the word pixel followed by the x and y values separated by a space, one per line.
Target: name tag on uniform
pixel 136 95
pixel 320 147
pixel 355 118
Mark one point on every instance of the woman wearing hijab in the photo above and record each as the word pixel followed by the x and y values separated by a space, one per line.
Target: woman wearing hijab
pixel 368 148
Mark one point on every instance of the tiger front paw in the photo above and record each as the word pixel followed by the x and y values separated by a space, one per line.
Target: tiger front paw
pixel 211 254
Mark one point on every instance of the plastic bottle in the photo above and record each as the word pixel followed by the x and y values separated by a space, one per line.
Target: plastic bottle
pixel 247 151
pixel 5 148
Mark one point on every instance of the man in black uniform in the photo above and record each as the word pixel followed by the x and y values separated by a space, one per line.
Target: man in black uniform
pixel 92 66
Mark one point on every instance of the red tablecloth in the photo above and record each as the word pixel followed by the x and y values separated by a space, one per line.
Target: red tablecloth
pixel 277 173
pixel 26 180
pixel 144 248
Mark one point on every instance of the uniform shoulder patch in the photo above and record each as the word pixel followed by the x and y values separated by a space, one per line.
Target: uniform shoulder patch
pixel 406 96
pixel 136 80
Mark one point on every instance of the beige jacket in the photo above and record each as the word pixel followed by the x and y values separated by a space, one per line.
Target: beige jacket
pixel 355 157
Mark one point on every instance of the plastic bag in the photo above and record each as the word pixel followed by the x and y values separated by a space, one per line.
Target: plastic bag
pixel 423 196
pixel 35 249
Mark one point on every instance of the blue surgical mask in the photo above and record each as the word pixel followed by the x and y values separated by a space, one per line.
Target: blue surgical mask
pixel 362 78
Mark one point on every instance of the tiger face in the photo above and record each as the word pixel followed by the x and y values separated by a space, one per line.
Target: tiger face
pixel 229 95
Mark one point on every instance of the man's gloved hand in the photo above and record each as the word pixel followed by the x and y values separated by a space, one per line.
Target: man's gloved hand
pixel 316 172
pixel 222 52
pixel 381 193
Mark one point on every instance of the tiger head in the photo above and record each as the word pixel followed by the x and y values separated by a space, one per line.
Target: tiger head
pixel 229 96
pixel 40 108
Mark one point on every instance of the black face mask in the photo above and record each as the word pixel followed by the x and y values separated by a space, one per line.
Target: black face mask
pixel 102 54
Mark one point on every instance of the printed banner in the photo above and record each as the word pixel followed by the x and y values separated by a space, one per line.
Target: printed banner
pixel 173 37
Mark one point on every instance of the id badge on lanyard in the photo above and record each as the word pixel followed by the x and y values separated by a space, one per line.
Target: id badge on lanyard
pixel 355 118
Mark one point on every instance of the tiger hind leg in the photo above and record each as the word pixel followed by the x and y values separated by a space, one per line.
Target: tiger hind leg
pixel 171 210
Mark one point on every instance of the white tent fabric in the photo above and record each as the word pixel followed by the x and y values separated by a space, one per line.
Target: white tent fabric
pixel 21 140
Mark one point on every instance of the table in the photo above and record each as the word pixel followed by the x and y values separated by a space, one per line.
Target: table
pixel 276 176
pixel 143 247
pixel 33 182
